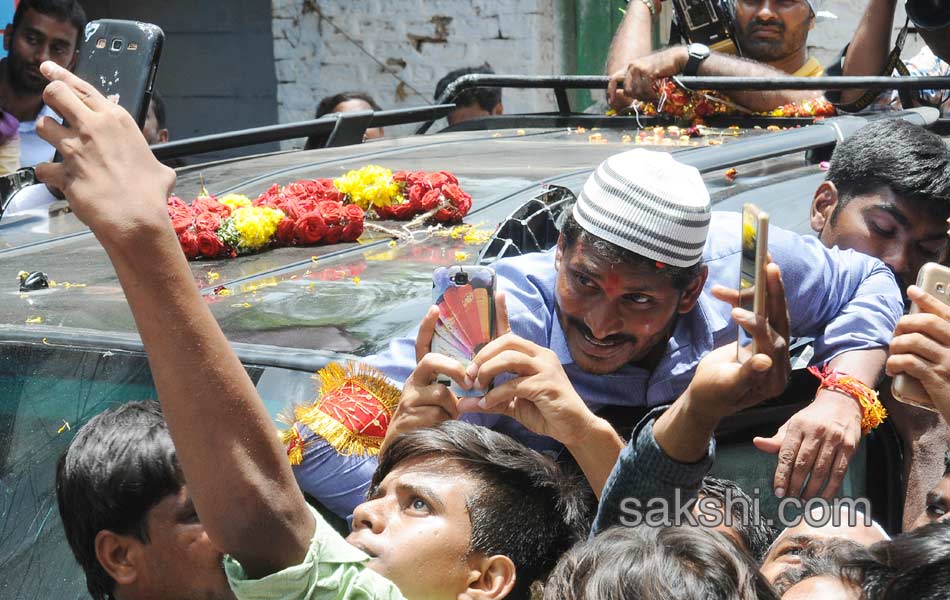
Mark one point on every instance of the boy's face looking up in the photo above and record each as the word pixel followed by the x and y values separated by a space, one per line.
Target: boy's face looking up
pixel 177 562
pixel 417 529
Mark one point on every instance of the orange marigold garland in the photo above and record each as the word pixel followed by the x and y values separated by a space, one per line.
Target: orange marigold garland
pixel 352 411
pixel 873 412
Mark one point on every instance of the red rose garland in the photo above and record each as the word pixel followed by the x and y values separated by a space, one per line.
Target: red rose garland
pixel 310 212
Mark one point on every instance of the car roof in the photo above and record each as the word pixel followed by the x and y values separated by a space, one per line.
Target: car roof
pixel 323 298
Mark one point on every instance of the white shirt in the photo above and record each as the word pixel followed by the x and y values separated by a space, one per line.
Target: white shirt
pixel 33 149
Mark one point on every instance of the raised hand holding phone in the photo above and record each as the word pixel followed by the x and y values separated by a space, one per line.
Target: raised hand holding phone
pixel 920 351
pixel 427 395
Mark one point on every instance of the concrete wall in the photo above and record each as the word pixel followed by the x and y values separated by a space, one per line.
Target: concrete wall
pixel 827 39
pixel 397 50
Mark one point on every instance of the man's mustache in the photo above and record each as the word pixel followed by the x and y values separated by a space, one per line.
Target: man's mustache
pixel 615 339
pixel 756 24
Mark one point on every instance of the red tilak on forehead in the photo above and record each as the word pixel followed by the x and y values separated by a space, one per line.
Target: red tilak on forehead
pixel 612 282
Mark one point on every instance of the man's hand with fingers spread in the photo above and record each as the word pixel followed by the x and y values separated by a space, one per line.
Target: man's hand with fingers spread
pixel 921 348
pixel 112 180
pixel 818 440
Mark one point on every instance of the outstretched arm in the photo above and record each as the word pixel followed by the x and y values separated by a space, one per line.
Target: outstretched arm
pixel 635 81
pixel 237 472
pixel 867 53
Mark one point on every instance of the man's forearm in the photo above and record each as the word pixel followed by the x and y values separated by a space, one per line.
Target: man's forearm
pixel 867 53
pixel 682 434
pixel 722 65
pixel 634 37
pixel 597 453
pixel 236 470
pixel 864 365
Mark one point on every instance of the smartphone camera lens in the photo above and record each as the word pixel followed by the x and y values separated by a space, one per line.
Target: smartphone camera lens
pixel 116 45
pixel 941 289
pixel 460 278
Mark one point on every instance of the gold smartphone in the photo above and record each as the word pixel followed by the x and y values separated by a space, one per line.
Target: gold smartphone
pixel 755 251
pixel 935 280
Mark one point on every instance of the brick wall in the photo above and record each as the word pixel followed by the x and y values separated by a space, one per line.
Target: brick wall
pixel 398 49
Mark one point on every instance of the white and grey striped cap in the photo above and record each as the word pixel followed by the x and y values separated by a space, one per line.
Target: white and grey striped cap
pixel 649 204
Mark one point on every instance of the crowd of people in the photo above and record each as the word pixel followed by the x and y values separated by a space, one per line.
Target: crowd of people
pixel 525 489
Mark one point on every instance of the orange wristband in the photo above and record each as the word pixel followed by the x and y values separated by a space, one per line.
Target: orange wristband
pixel 873 412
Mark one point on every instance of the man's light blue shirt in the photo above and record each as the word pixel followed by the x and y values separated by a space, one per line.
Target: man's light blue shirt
pixel 843 299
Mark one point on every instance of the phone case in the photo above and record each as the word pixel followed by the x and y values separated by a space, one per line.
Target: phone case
pixel 120 58
pixel 935 280
pixel 465 296
pixel 754 258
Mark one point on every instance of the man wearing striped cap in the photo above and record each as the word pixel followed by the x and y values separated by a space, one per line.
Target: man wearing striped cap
pixel 616 318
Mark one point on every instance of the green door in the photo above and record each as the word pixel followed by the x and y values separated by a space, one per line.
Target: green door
pixel 588 26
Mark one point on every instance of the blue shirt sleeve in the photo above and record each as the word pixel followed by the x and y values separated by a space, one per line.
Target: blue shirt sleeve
pixel 644 472
pixel 338 482
pixel 844 299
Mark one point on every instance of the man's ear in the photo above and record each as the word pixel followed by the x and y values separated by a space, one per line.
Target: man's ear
pixel 492 579
pixel 119 555
pixel 693 290
pixel 823 206
pixel 498 110
pixel 8 37
pixel 162 136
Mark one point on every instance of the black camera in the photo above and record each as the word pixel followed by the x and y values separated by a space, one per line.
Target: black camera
pixel 929 14
pixel 711 22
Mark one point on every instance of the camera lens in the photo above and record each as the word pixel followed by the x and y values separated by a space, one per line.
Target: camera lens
pixel 116 45
pixel 460 278
pixel 929 14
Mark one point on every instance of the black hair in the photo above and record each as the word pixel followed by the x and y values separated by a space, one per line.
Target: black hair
pixel 897 155
pixel 649 563
pixel 120 464
pixel 61 10
pixel 827 558
pixel 572 231
pixel 525 508
pixel 487 98
pixel 158 105
pixel 914 565
pixel 327 105
pixel 756 534
pixel 946 464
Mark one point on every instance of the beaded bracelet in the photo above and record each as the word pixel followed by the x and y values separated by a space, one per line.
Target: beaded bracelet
pixel 873 412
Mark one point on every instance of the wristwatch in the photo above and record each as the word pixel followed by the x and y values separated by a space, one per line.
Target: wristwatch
pixel 697 54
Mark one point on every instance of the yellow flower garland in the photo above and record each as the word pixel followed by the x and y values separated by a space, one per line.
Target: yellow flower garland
pixel 369 187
